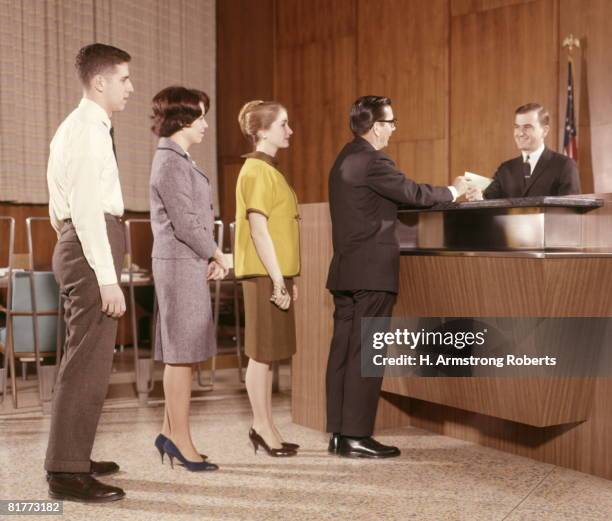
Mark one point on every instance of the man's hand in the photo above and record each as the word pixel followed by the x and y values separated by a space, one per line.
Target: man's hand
pixel 295 292
pixel 113 301
pixel 473 194
pixel 460 185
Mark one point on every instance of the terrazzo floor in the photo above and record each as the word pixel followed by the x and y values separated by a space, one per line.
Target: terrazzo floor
pixel 436 478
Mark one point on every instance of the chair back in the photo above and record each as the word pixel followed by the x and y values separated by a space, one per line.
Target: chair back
pixel 232 230
pixel 46 294
pixel 218 233
pixel 139 244
pixel 41 242
pixel 7 243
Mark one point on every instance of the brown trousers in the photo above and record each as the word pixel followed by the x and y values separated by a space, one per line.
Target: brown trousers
pixel 82 380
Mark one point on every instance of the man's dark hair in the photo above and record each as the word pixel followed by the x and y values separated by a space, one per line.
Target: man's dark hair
pixel 366 111
pixel 177 107
pixel 543 115
pixel 95 58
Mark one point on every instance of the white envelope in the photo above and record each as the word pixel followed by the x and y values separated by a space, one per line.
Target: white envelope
pixel 478 181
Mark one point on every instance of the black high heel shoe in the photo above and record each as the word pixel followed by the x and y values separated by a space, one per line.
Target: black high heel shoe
pixel 194 466
pixel 258 441
pixel 159 445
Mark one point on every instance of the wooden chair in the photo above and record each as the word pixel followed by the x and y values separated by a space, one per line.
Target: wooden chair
pixel 33 318
pixel 7 246
pixel 236 288
pixel 138 274
pixel 216 302
pixel 46 306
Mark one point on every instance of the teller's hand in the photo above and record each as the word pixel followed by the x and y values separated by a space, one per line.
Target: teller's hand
pixel 473 194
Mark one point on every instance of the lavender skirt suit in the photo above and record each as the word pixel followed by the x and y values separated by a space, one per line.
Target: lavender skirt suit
pixel 182 220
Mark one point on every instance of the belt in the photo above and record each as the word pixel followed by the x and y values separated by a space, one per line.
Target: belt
pixel 113 217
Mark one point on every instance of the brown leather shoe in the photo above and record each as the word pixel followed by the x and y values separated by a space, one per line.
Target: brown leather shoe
pixel 103 468
pixel 83 488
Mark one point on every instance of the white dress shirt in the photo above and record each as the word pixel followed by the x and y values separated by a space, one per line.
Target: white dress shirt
pixel 533 157
pixel 83 181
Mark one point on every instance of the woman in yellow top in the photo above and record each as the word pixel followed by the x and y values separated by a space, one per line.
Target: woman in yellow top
pixel 266 258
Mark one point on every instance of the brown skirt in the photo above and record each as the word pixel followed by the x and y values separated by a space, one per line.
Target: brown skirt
pixel 270 332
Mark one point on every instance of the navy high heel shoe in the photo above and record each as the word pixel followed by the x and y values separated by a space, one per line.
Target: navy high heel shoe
pixel 159 445
pixel 194 466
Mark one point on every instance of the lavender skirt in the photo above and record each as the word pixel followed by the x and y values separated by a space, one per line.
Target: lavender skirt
pixel 184 329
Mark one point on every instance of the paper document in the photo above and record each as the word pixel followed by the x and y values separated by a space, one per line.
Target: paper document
pixel 478 181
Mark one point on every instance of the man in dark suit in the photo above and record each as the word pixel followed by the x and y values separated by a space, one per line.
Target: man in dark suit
pixel 538 171
pixel 365 189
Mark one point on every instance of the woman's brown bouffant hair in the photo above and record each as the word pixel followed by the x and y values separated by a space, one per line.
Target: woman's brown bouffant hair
pixel 257 115
pixel 175 108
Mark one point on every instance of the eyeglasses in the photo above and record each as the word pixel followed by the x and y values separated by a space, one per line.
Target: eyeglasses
pixel 391 121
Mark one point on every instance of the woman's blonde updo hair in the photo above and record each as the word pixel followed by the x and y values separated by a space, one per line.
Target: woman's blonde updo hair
pixel 257 115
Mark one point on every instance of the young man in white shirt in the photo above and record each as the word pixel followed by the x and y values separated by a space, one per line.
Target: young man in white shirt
pixel 85 205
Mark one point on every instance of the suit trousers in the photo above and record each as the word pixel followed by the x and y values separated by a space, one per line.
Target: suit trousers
pixel 352 399
pixel 82 380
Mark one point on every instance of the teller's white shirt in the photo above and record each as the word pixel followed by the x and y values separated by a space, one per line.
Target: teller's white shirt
pixel 534 157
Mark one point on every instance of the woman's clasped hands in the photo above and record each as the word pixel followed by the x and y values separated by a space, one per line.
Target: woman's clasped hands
pixel 281 297
pixel 218 267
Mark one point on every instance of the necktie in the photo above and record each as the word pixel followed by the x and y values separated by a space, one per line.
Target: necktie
pixel 527 167
pixel 112 135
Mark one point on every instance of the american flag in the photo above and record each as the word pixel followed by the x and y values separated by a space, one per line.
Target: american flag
pixel 570 145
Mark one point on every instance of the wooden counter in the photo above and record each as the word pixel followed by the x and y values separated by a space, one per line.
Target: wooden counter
pixel 566 422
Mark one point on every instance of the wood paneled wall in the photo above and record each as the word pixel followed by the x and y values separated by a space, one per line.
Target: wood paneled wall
pixel 501 59
pixel 245 71
pixel 402 52
pixel 588 20
pixel 461 7
pixel 455 70
pixel 315 79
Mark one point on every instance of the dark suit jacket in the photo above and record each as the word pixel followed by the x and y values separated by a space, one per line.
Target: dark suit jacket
pixel 365 189
pixel 554 174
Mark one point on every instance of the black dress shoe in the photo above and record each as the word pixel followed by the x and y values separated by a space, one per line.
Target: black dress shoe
pixel 332 448
pixel 81 487
pixel 103 468
pixel 365 448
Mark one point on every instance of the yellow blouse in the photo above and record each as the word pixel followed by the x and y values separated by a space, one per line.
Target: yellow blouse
pixel 263 189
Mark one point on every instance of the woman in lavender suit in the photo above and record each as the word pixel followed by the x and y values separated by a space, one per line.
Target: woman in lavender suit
pixel 185 258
